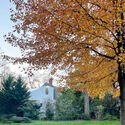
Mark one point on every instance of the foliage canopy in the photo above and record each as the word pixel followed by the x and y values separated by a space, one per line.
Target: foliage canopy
pixel 78 34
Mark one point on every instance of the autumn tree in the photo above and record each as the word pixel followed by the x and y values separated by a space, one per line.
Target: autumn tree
pixel 87 36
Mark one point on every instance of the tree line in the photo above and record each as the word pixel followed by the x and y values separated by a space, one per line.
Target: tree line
pixel 16 106
pixel 70 105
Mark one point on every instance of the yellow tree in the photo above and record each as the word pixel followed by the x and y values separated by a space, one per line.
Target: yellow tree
pixel 88 35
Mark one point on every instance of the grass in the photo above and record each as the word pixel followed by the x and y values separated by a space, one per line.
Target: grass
pixel 67 123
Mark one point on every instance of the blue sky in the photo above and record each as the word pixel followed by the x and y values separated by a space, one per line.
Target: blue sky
pixel 5 27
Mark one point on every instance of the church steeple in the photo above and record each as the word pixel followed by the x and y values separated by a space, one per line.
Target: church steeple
pixel 51 81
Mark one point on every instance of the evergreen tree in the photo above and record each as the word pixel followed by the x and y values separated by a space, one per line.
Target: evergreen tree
pixel 6 95
pixel 13 96
pixel 21 96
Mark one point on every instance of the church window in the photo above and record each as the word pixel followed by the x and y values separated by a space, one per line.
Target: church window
pixel 46 91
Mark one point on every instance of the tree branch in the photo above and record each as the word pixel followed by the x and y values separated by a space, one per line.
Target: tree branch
pixel 100 54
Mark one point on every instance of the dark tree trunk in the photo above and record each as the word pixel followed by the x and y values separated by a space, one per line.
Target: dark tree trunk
pixel 121 79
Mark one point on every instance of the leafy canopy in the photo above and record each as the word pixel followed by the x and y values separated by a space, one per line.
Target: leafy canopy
pixel 72 34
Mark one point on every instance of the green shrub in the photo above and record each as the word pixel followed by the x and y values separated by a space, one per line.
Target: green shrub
pixel 49 111
pixel 5 118
pixel 111 105
pixel 67 106
pixel 16 119
pixel 26 120
pixel 99 112
pixel 114 118
pixel 32 110
pixel 85 117
pixel 109 117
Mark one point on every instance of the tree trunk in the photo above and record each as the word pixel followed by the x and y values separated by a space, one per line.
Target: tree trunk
pixel 86 103
pixel 121 79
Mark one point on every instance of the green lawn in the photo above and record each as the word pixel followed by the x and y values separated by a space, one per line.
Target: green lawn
pixel 69 123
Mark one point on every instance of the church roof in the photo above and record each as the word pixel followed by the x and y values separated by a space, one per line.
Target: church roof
pixel 48 84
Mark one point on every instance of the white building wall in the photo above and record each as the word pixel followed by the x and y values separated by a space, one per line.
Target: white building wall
pixel 41 97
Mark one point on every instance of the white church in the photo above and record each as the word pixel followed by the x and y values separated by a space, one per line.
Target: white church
pixel 44 94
